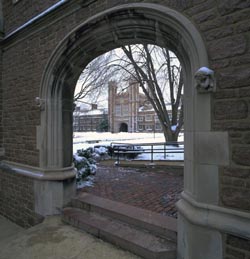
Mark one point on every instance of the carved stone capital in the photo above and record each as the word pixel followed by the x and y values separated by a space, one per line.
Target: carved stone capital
pixel 205 80
pixel 40 103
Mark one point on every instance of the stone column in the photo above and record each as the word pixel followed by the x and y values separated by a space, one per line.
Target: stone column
pixel 205 152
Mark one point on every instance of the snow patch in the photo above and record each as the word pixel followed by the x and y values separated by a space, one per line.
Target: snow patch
pixel 173 127
pixel 206 70
pixel 88 182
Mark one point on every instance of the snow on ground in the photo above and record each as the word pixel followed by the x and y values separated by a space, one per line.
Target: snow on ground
pixel 162 153
pixel 88 182
pixel 83 140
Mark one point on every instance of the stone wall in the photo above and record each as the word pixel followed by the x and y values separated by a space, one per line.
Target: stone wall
pixel 236 248
pixel 16 13
pixel 227 37
pixel 22 75
pixel 235 187
pixel 20 115
pixel 17 199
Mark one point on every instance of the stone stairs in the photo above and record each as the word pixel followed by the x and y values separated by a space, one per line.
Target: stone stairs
pixel 142 232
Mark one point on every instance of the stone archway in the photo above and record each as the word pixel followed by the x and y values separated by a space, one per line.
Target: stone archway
pixel 135 23
pixel 131 23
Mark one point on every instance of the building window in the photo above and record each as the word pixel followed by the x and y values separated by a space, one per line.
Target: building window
pixel 140 127
pixel 140 118
pixel 149 127
pixel 118 109
pixel 158 126
pixel 156 118
pixel 148 117
pixel 125 109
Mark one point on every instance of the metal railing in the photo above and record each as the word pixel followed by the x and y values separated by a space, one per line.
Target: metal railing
pixel 131 151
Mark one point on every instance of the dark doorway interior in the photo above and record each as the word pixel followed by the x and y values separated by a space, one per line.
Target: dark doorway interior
pixel 123 127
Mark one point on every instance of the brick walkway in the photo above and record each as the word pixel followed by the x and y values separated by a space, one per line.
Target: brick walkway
pixel 153 189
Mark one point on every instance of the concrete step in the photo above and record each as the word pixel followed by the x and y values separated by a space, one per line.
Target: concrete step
pixel 155 223
pixel 121 234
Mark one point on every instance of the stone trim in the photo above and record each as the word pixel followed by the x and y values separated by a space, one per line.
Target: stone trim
pixel 212 148
pixel 36 18
pixel 37 173
pixel 28 29
pixel 211 216
pixel 55 13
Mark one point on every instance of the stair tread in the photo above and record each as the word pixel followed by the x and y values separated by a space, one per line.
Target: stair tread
pixel 136 213
pixel 118 230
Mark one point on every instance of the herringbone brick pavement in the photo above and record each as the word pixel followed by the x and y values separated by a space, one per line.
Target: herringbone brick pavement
pixel 155 189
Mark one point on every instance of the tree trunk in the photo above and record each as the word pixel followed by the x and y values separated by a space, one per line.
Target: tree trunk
pixel 169 135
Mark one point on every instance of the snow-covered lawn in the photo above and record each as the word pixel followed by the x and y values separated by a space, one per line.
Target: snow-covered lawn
pixel 83 140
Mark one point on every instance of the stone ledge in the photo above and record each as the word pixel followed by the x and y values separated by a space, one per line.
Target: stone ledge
pixel 214 217
pixel 44 174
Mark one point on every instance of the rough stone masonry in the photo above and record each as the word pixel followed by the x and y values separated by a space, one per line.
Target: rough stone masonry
pixel 29 43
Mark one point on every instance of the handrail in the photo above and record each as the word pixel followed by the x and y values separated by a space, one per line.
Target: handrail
pixel 150 143
pixel 152 149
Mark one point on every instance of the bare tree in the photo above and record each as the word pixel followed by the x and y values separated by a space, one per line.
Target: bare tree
pixel 160 76
pixel 94 78
pixel 155 69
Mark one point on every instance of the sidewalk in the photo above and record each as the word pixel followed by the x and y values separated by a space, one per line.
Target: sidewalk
pixel 54 240
pixel 8 229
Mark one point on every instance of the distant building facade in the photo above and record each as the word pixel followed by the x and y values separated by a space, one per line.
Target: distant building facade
pixel 130 111
pixel 89 118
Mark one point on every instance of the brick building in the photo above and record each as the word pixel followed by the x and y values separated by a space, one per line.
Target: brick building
pixel 130 111
pixel 44 46
pixel 90 118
